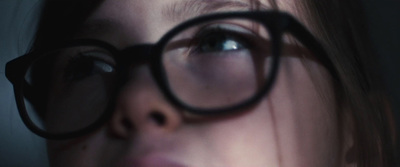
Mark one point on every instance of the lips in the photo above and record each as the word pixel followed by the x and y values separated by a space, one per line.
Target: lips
pixel 149 161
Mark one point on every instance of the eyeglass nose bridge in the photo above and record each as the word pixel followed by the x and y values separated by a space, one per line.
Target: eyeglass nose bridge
pixel 137 55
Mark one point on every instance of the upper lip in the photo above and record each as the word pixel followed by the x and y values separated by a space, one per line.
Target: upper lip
pixel 151 160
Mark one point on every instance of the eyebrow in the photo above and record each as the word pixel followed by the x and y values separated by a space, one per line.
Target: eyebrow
pixel 183 10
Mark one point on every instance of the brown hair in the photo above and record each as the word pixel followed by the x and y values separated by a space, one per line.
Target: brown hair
pixel 340 26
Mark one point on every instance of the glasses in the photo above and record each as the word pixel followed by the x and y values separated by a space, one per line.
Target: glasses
pixel 209 65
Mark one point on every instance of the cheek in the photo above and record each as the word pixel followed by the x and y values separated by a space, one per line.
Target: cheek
pixel 246 140
pixel 94 150
pixel 303 107
pixel 294 125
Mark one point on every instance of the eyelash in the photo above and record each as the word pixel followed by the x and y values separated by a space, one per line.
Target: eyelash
pixel 220 35
pixel 239 36
pixel 82 57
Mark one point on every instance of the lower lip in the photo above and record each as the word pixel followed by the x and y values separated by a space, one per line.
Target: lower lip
pixel 148 161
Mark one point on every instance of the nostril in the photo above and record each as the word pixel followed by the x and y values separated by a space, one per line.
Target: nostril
pixel 158 118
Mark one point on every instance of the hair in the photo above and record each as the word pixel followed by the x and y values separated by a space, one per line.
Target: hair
pixel 338 24
pixel 361 97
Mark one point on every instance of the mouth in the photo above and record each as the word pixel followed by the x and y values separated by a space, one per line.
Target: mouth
pixel 149 161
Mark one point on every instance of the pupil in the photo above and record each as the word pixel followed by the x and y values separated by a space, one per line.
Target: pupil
pixel 218 43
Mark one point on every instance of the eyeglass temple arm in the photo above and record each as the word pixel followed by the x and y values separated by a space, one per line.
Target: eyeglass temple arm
pixel 305 37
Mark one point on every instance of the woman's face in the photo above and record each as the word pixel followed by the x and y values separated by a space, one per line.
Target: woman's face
pixel 292 126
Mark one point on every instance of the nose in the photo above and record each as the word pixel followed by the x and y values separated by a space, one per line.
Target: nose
pixel 142 108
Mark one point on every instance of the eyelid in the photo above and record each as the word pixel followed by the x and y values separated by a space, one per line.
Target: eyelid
pixel 254 29
pixel 237 31
pixel 99 55
pixel 246 29
pixel 233 27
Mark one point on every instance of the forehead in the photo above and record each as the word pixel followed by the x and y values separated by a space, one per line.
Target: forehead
pixel 176 8
pixel 153 18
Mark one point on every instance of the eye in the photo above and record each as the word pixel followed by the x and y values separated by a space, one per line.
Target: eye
pixel 87 64
pixel 220 39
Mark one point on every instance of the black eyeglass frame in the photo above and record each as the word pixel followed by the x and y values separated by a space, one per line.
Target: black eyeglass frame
pixel 276 22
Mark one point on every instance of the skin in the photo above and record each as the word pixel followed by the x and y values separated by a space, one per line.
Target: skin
pixel 292 126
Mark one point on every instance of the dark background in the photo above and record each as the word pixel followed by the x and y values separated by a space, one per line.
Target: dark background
pixel 384 25
pixel 20 148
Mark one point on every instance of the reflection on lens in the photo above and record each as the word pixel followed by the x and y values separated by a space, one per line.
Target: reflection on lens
pixel 69 89
pixel 218 64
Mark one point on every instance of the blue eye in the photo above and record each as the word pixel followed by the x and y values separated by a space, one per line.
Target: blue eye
pixel 219 42
pixel 214 40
